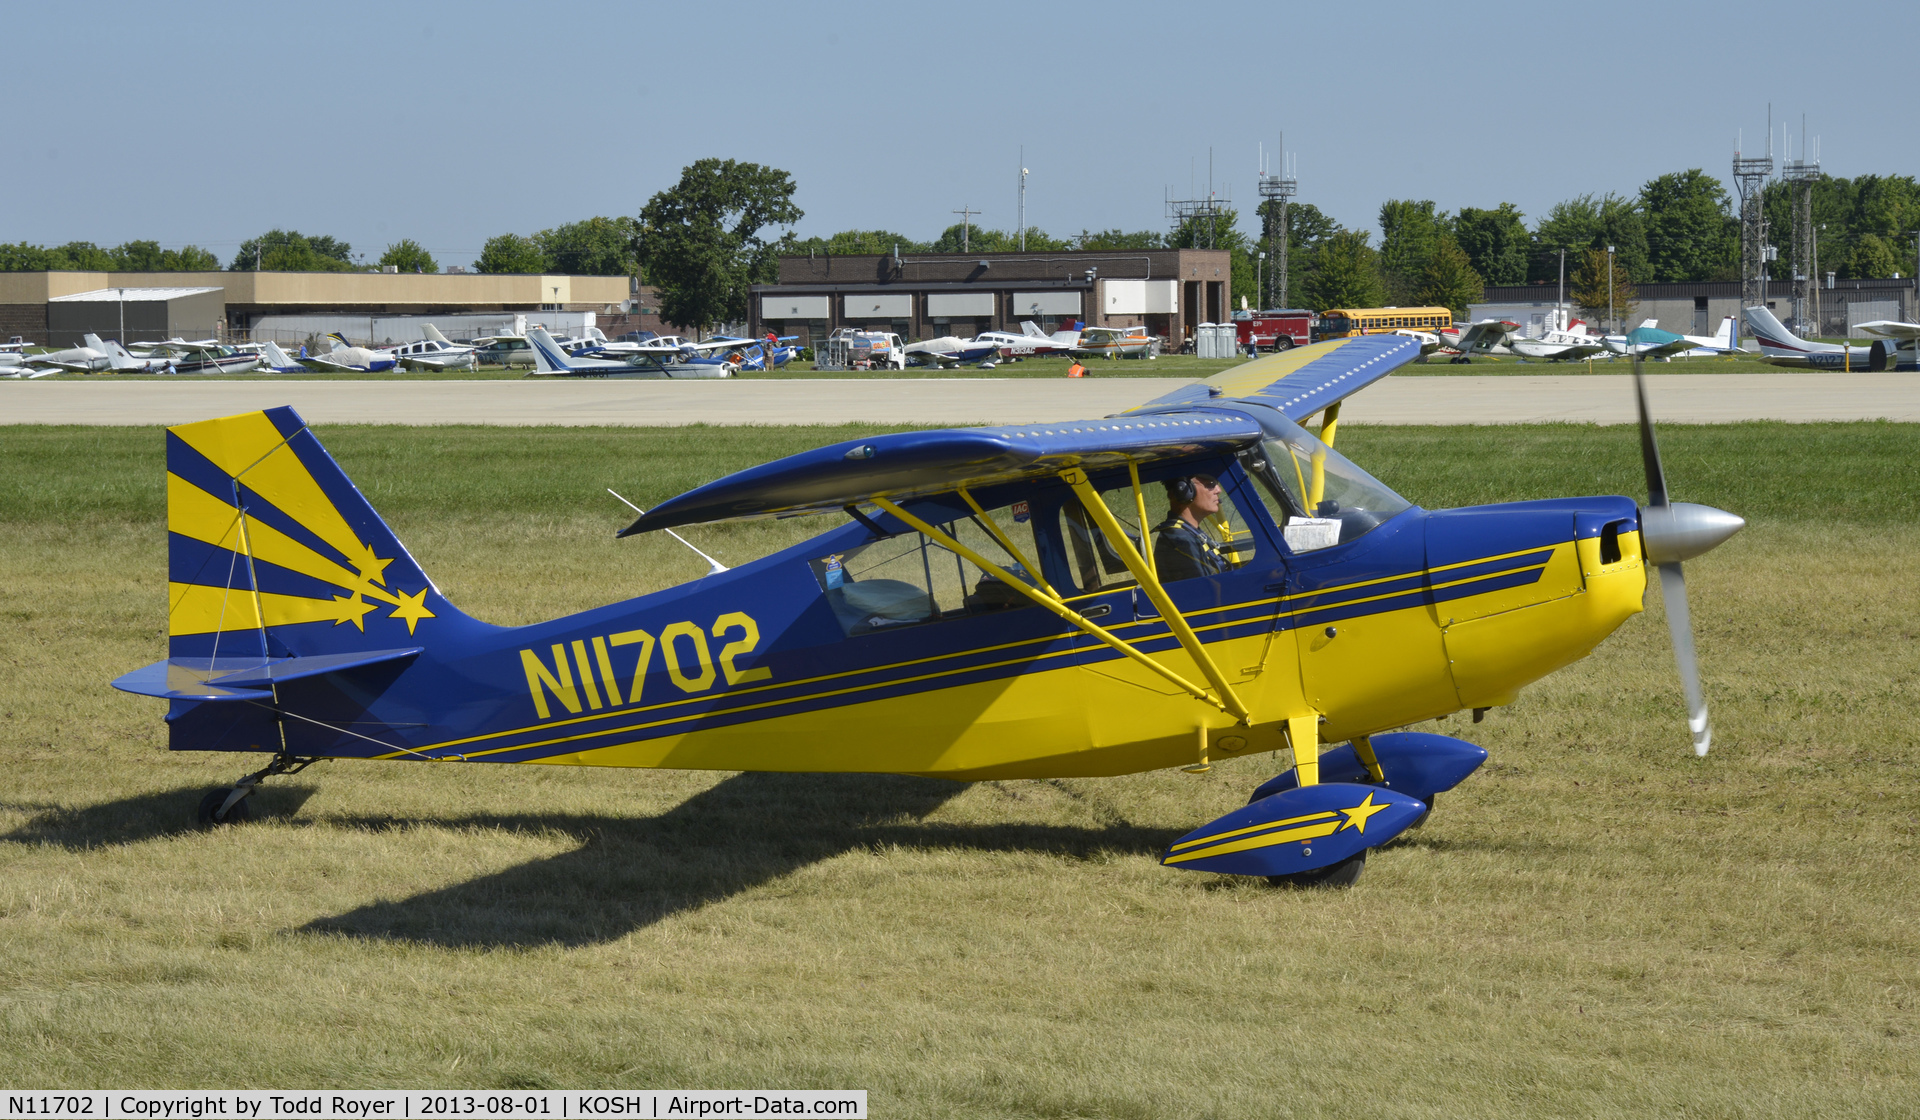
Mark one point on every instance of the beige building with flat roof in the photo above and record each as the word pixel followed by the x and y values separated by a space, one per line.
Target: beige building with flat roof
pixel 245 296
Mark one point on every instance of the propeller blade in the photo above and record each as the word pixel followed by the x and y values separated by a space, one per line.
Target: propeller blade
pixel 1649 449
pixel 1673 590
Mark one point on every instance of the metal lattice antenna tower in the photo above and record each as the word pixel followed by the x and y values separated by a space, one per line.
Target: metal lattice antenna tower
pixel 1802 173
pixel 1279 191
pixel 1750 179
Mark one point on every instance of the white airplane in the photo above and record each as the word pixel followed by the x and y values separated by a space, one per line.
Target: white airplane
pixel 345 357
pixel 435 352
pixel 1116 341
pixel 1905 354
pixel 1064 340
pixel 74 359
pixel 1031 342
pixel 1568 344
pixel 120 361
pixel 1782 347
pixel 1488 336
pixel 1649 341
pixel 275 360
pixel 207 357
pixel 552 361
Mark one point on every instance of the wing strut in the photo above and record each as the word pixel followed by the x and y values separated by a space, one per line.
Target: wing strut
pixel 1150 583
pixel 1054 604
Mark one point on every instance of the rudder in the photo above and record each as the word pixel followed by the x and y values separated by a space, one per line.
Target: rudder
pixel 272 551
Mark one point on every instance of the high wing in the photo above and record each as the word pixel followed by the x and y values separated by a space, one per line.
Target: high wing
pixel 1486 332
pixel 1887 328
pixel 1198 419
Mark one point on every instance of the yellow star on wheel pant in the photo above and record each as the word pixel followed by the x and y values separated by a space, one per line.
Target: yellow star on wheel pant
pixel 1357 816
pixel 413 608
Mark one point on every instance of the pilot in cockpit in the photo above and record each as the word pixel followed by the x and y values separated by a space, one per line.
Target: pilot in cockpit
pixel 1182 547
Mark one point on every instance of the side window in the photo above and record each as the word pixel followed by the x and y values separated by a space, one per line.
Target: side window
pixel 911 579
pixel 1217 538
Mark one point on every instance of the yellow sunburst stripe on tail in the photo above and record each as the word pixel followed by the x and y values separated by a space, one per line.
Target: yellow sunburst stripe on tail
pixel 192 512
pixel 194 608
pixel 251 449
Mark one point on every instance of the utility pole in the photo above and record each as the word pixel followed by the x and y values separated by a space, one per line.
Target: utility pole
pixel 1610 325
pixel 1023 198
pixel 966 216
pixel 1560 301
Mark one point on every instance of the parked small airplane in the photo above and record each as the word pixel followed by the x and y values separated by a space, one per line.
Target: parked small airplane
pixel 1123 342
pixel 275 360
pixel 120 361
pixel 1782 347
pixel 435 352
pixel 208 357
pixel 650 361
pixel 1905 337
pixel 948 350
pixel 1562 344
pixel 1488 336
pixel 1649 341
pixel 74 359
pixel 345 357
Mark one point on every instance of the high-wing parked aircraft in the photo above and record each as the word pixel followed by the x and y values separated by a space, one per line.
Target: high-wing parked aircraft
pixel 1649 341
pixel 1198 577
pixel 435 352
pixel 1904 354
pixel 1488 336
pixel 1122 342
pixel 1782 347
pixel 648 361
pixel 1570 344
pixel 346 357
pixel 207 357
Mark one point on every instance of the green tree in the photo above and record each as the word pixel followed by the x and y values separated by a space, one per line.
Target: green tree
pixel 290 251
pixel 698 242
pixel 79 256
pixel 1116 239
pixel 1222 231
pixel 139 256
pixel 962 238
pixel 510 253
pixel 407 256
pixel 1410 232
pixel 1589 288
pixel 189 258
pixel 1691 231
pixel 1591 222
pixel 1448 279
pixel 1346 273
pixel 1871 258
pixel 22 257
pixel 854 242
pixel 594 247
pixel 1495 241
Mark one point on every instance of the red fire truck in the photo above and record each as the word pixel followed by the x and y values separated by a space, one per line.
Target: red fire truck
pixel 1281 329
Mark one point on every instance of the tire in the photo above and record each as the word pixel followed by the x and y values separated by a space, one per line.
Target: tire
pixel 1282 343
pixel 210 804
pixel 1422 818
pixel 1339 876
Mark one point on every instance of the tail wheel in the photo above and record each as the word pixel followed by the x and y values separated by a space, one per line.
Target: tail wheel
pixel 1343 874
pixel 210 804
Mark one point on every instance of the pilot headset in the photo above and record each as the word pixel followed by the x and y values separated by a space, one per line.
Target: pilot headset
pixel 1180 490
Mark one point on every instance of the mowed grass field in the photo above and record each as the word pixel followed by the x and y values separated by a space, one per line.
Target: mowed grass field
pixel 1596 924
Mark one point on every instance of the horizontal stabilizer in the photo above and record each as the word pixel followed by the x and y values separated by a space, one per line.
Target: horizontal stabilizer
pixel 245 678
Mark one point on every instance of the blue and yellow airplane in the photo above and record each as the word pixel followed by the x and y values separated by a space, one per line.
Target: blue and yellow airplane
pixel 1197 578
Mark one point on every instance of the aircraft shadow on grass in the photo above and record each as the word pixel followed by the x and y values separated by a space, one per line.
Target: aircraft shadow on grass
pixel 748 830
pixel 134 820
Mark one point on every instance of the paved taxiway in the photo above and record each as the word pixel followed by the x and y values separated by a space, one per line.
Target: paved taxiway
pixel 1604 399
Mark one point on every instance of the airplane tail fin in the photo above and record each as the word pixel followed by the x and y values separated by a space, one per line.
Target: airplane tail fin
pixel 339 341
pixel 547 355
pixel 1031 330
pixel 93 341
pixel 433 334
pixel 274 553
pixel 1725 336
pixel 276 357
pixel 1770 331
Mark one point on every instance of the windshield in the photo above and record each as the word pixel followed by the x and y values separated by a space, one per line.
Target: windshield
pixel 1319 497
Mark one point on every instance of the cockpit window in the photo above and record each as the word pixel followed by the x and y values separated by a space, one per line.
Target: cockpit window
pixel 910 579
pixel 1317 496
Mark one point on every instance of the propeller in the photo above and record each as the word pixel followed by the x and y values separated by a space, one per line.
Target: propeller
pixel 1669 533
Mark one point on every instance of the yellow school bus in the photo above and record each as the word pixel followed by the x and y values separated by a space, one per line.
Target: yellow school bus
pixel 1344 322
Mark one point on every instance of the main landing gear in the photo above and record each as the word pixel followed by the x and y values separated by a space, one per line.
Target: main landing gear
pixel 229 805
pixel 1343 874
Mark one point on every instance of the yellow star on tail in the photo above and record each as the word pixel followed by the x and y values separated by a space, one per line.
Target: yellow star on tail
pixel 413 608
pixel 352 610
pixel 1357 816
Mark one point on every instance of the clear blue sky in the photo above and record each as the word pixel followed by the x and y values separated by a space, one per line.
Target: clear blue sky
pixel 448 123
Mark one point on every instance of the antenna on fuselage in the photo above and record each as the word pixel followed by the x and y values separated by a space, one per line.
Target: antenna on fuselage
pixel 715 567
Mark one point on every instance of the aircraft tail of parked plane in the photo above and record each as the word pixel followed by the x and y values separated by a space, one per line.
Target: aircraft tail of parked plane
pixel 1782 347
pixel 277 360
pixel 433 334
